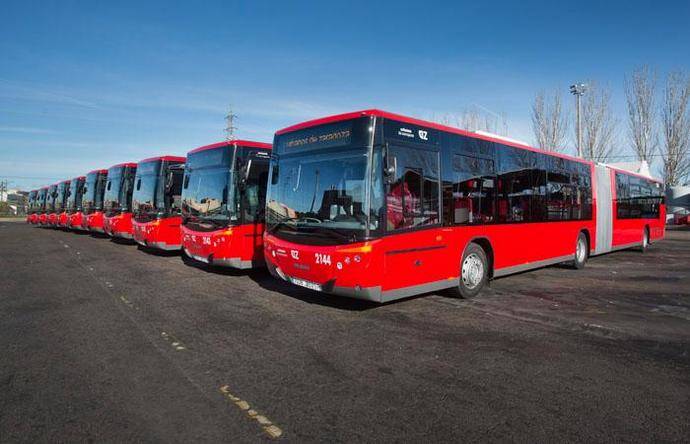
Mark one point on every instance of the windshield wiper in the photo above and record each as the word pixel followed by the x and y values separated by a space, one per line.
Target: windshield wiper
pixel 318 229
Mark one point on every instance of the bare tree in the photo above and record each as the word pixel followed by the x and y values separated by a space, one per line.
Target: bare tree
pixel 549 122
pixel 475 118
pixel 640 92
pixel 598 124
pixel 675 117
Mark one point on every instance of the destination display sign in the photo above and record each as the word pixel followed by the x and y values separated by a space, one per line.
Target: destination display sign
pixel 325 136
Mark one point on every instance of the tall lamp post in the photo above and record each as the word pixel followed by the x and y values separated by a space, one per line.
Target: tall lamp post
pixel 578 90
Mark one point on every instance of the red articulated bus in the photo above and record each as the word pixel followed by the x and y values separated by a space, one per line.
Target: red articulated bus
pixel 63 191
pixel 41 203
pixel 92 201
pixel 73 208
pixel 379 206
pixel 156 202
pixel 51 199
pixel 223 203
pixel 31 216
pixel 117 201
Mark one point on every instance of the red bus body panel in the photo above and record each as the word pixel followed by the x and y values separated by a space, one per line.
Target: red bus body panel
pixel 62 219
pixel 43 219
pixel 74 221
pixel 52 219
pixel 93 222
pixel 628 232
pixel 32 218
pixel 239 246
pixel 118 226
pixel 419 261
pixel 163 234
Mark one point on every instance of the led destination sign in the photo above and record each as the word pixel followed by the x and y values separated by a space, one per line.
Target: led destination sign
pixel 326 136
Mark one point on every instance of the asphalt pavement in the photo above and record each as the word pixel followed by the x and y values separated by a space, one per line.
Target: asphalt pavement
pixel 102 341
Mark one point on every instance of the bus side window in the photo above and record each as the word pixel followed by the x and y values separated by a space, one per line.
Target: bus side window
pixel 474 185
pixel 413 197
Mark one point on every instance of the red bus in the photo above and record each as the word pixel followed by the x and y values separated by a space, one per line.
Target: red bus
pixel 379 206
pixel 73 208
pixel 31 216
pixel 156 202
pixel 61 203
pixel 117 201
pixel 223 203
pixel 92 201
pixel 41 202
pixel 51 199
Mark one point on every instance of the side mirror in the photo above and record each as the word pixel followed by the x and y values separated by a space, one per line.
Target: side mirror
pixel 390 167
pixel 168 181
pixel 247 170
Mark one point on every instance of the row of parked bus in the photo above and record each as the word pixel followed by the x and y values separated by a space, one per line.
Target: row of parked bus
pixel 369 204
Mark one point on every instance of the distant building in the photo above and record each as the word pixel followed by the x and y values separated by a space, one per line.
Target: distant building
pixel 16 200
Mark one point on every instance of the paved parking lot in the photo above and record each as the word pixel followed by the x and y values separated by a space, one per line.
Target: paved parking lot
pixel 101 341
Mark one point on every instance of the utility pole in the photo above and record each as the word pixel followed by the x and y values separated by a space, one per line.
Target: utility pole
pixel 230 127
pixel 3 190
pixel 578 90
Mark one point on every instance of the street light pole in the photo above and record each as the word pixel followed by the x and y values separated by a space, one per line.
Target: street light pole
pixel 577 90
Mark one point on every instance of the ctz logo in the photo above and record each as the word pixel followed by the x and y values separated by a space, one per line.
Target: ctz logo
pixel 294 254
pixel 424 135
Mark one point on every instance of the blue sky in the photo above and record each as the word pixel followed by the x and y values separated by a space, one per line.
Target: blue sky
pixel 88 84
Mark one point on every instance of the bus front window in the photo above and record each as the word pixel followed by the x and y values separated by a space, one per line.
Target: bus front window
pixel 320 196
pixel 207 189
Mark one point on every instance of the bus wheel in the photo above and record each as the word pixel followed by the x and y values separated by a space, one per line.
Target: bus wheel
pixel 474 272
pixel 581 248
pixel 645 240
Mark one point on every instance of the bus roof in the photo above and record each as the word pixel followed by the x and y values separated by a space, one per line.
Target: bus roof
pixel 411 120
pixel 79 177
pixel 165 159
pixel 247 143
pixel 632 173
pixel 98 171
pixel 66 181
pixel 124 165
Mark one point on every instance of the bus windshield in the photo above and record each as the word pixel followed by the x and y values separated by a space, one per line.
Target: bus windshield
pixel 32 201
pixel 208 187
pixel 62 193
pixel 74 199
pixel 321 190
pixel 41 199
pixel 117 190
pixel 92 199
pixel 50 198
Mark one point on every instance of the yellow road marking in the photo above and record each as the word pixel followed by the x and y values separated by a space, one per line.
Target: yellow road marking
pixel 266 424
pixel 126 301
pixel 174 342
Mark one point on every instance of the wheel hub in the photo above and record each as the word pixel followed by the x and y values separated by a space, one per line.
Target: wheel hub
pixel 472 271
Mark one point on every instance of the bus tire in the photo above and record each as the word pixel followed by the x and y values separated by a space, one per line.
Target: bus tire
pixel 474 272
pixel 581 252
pixel 645 240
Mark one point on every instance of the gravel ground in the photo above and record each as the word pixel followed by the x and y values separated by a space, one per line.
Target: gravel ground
pixel 104 342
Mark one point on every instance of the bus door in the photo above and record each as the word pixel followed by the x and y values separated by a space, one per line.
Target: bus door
pixel 416 247
pixel 253 173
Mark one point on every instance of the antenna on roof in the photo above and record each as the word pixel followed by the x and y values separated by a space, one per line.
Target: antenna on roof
pixel 230 127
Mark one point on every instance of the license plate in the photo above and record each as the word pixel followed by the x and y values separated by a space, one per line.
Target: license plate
pixel 306 284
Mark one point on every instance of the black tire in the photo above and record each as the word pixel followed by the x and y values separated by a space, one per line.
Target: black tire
pixel 581 252
pixel 645 240
pixel 471 284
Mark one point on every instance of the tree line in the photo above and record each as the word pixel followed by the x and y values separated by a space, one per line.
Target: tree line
pixel 658 122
